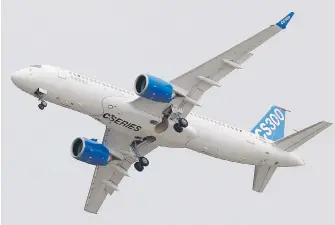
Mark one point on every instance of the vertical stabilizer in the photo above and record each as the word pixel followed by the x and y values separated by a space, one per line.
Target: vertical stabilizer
pixel 272 125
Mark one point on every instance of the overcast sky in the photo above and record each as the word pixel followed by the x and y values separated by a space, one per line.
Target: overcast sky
pixel 117 40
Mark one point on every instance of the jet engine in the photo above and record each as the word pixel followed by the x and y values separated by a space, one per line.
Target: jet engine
pixel 90 151
pixel 153 88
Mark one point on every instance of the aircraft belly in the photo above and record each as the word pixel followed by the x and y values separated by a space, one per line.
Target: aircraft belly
pixel 221 144
pixel 120 115
pixel 170 138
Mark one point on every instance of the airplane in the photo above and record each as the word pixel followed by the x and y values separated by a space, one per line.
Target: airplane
pixel 158 114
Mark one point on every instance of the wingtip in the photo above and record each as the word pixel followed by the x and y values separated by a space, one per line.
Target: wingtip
pixel 328 124
pixel 285 21
pixel 281 108
pixel 87 210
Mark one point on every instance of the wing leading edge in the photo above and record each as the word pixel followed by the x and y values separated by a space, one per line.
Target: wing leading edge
pixel 220 66
pixel 197 81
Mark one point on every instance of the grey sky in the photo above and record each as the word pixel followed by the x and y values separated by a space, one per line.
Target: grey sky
pixel 117 40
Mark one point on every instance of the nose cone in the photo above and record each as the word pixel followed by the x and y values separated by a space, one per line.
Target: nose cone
pixel 16 78
pixel 19 77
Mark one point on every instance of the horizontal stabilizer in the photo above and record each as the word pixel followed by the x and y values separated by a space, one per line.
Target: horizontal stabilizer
pixel 262 176
pixel 293 141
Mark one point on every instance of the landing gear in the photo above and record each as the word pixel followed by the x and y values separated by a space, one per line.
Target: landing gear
pixel 179 127
pixel 142 161
pixel 42 105
pixel 175 115
pixel 139 167
pixel 183 122
pixel 39 93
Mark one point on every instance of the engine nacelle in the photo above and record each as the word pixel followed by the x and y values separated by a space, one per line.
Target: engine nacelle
pixel 153 88
pixel 90 151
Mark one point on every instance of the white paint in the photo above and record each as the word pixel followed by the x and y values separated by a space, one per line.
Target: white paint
pixel 94 98
pixel 127 121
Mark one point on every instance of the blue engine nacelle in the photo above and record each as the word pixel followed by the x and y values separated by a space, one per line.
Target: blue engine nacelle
pixel 90 151
pixel 153 88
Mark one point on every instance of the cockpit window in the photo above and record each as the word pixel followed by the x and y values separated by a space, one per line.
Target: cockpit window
pixel 36 66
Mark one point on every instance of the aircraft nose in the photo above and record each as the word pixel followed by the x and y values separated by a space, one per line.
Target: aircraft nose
pixel 15 78
pixel 18 77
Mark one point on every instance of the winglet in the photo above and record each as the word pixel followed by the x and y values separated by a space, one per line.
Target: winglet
pixel 283 23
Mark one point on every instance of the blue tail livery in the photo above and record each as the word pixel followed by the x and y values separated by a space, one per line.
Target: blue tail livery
pixel 272 125
pixel 283 23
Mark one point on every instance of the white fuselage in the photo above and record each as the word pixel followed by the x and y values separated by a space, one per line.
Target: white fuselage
pixel 111 106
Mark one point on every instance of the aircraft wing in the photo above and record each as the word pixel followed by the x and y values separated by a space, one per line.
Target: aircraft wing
pixel 107 178
pixel 193 84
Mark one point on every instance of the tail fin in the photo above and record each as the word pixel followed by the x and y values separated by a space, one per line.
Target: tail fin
pixel 272 125
pixel 294 141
